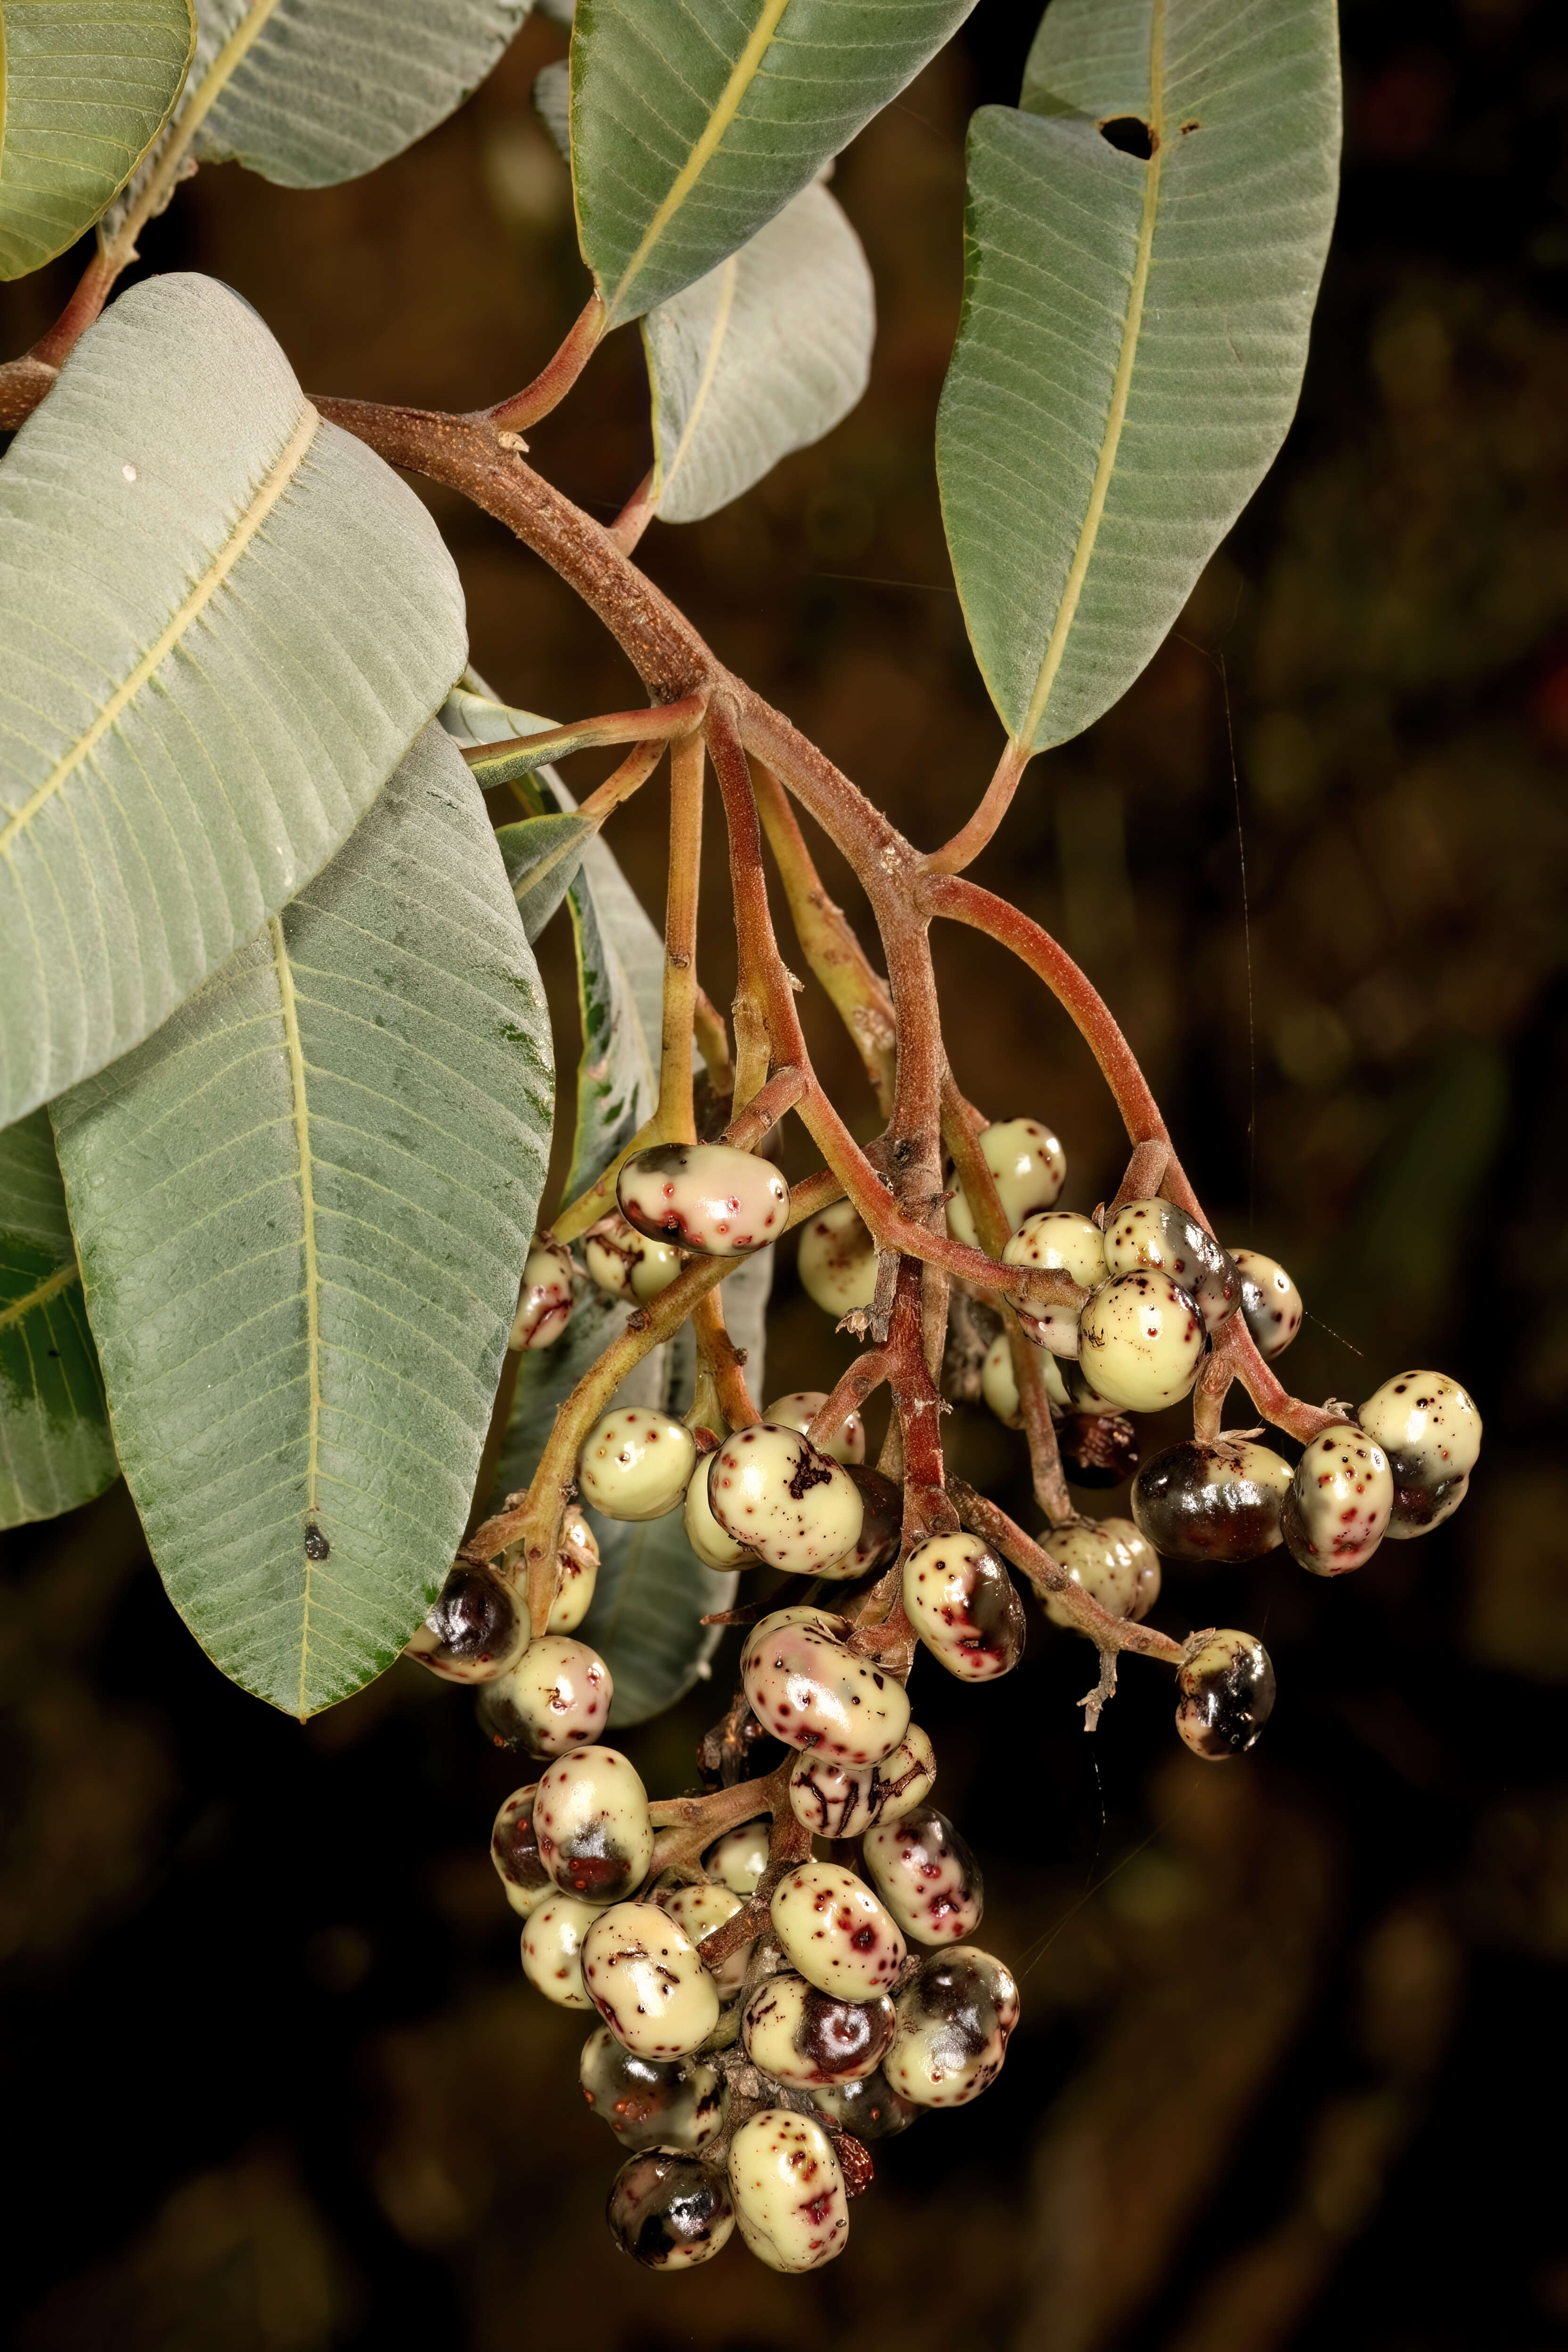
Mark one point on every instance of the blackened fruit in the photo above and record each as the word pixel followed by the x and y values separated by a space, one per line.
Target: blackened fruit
pixel 881 1524
pixel 870 2108
pixel 1337 1511
pixel 703 1196
pixel 957 2015
pixel 515 1850
pixel 804 2037
pixel 1226 1696
pixel 1158 1233
pixel 669 2212
pixel 1098 1449
pixel 1212 1502
pixel 669 2103
pixel 1269 1300
pixel 475 1630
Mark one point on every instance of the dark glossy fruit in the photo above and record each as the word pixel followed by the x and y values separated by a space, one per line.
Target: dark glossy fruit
pixel 871 2109
pixel 668 2103
pixel 669 2212
pixel 881 1523
pixel 475 1630
pixel 1226 1696
pixel 1212 1502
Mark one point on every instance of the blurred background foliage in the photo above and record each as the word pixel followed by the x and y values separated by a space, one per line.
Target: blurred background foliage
pixel 273 2081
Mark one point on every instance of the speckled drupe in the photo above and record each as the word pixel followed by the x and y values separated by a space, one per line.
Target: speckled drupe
pixel 806 1688
pixel 703 1196
pixel 836 1932
pixel 795 1507
pixel 788 2190
pixel 961 1601
pixel 636 1463
pixel 927 1875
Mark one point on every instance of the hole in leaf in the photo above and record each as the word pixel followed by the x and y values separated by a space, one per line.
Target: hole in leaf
pixel 1132 136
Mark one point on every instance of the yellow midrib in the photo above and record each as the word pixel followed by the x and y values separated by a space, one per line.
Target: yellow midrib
pixel 1116 415
pixel 743 73
pixel 50 1288
pixel 710 370
pixel 296 1052
pixel 283 472
pixel 161 182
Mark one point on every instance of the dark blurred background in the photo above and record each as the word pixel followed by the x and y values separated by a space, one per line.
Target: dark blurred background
pixel 1286 2076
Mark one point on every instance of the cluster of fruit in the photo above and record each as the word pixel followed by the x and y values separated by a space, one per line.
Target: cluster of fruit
pixel 746 2089
pixel 746 2092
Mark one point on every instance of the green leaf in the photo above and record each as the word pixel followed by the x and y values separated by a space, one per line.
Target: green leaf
pixel 309 92
pixel 84 91
pixel 762 356
pixel 693 122
pixel 55 1446
pixel 1133 332
pixel 541 857
pixel 222 623
pixel 302 1210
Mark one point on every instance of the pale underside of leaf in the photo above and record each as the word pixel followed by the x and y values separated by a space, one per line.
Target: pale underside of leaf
pixel 84 92
pixel 309 92
pixel 302 1209
pixel 221 623
pixel 694 122
pixel 1133 331
pixel 763 356
pixel 55 1446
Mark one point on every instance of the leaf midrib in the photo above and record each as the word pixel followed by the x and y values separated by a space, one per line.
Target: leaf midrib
pixel 283 470
pixel 705 384
pixel 50 1288
pixel 1116 414
pixel 302 1108
pixel 742 74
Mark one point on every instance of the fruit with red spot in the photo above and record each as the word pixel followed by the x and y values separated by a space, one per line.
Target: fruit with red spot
pixel 795 1507
pixel 698 1909
pixel 670 2212
pixel 1029 1167
pixel 842 1800
pixel 591 1822
pixel 625 1264
pixel 475 1630
pixel 1337 1511
pixel 577 1556
pixel 956 2016
pixel 1429 1428
pixel 834 1932
pixel 636 1463
pixel 553 1950
pixel 961 1601
pixel 1226 1694
pixel 703 1196
pixel 926 1873
pixel 788 2190
pixel 643 1975
pixel 1061 1241
pixel 806 1688
pixel 544 1298
pixel 1141 1340
pixel 555 1698
pixel 1219 1500
pixel 708 1539
pixel 803 2037
pixel 1157 1233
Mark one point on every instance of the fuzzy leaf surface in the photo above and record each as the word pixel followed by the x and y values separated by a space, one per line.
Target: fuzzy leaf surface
pixel 302 1209
pixel 55 1446
pixel 222 624
pixel 84 92
pixel 764 355
pixel 693 122
pixel 1133 331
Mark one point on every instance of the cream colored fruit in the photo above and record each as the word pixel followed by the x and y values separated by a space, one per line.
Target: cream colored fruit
pixel 847 1443
pixel 806 1688
pixel 788 2190
pixel 840 1801
pixel 838 1262
pixel 708 1539
pixel 1111 1561
pixel 795 1507
pixel 1060 1241
pixel 578 1554
pixel 1029 1167
pixel 834 1932
pixel 643 1975
pixel 636 1463
pixel 553 1950
pixel 1141 1341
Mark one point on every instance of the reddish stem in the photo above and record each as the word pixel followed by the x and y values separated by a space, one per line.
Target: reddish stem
pixel 555 378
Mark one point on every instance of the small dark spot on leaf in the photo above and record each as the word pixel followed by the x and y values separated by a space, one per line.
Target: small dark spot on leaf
pixel 1129 134
pixel 316 1544
pixel 1193 125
